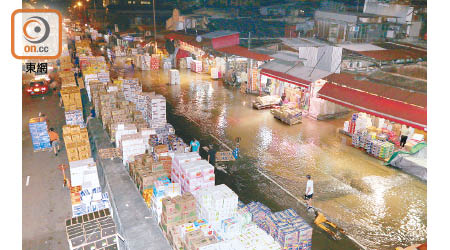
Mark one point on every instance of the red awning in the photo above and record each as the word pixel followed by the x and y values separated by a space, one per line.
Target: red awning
pixel 375 105
pixel 286 78
pixel 244 52
pixel 185 38
pixel 390 92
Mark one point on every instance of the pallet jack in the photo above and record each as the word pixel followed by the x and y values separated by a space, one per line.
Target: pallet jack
pixel 332 229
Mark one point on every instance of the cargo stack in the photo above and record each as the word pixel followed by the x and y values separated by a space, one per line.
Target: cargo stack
pixel 131 145
pixel 39 133
pixel 75 117
pixel 176 144
pixel 174 77
pixel 252 237
pixel 191 172
pixel 216 203
pixel 154 62
pixel 192 235
pixel 110 153
pixel 157 111
pixel 95 230
pixel 162 189
pixel 131 88
pixel 167 63
pixel 163 133
pixel 196 66
pixel 146 133
pixel 96 89
pixel 77 144
pixel 286 227
pixel 143 103
pixel 85 190
pixel 65 64
pixel 177 211
pixel 260 213
pixel 145 171
pixel 71 98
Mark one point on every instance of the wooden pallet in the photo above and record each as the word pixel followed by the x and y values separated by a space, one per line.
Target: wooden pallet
pixel 41 150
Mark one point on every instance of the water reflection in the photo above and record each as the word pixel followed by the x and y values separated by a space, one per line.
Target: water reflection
pixel 380 207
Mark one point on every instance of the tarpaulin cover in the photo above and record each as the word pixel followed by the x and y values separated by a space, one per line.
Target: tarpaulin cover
pixel 378 106
pixel 413 162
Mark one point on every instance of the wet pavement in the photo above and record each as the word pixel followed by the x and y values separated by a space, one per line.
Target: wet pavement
pixel 45 201
pixel 380 207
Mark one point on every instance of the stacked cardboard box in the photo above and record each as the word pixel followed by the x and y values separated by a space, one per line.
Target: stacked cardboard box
pixel 120 129
pixel 108 153
pixel 164 132
pixel 88 80
pixel 86 195
pixel 167 63
pixel 252 238
pixel 163 189
pixel 71 98
pixel 196 66
pixel 176 144
pixel 174 77
pixel 191 172
pixel 131 88
pixel 131 144
pixel 193 235
pixel 216 204
pixel 146 133
pixel 157 111
pixel 286 227
pixel 95 230
pixel 215 73
pixel 39 133
pixel 260 213
pixel 154 62
pixel 178 210
pixel 75 117
pixel 166 161
pixel 68 81
pixel 145 179
pixel 96 88
pixel 77 144
pixel 65 64
pixel 103 76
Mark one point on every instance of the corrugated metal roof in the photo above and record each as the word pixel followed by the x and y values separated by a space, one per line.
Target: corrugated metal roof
pixel 295 70
pixel 286 56
pixel 219 33
pixel 244 52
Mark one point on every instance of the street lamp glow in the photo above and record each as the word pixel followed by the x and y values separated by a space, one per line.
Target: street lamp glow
pixel 80 4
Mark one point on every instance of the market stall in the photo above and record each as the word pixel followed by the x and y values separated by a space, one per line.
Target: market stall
pixel 295 90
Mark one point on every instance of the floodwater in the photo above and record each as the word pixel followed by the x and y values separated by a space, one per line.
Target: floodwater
pixel 379 207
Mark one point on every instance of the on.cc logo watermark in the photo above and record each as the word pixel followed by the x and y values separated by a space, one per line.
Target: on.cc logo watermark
pixel 37 25
pixel 36 34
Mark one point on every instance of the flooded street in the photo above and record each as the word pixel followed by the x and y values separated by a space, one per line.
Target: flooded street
pixel 379 207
